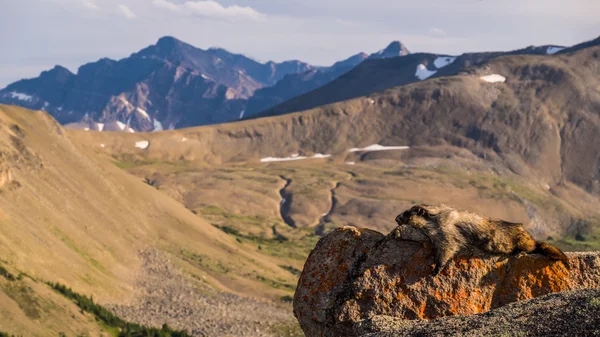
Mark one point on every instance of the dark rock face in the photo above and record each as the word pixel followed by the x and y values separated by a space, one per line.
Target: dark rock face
pixel 169 84
pixel 353 275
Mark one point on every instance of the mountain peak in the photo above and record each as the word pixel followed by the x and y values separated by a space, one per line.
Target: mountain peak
pixel 168 41
pixel 395 48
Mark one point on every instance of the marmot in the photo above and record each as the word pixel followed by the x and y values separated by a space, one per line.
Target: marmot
pixel 452 231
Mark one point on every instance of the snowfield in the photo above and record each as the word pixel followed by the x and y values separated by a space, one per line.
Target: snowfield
pixel 143 144
pixel 157 126
pixel 121 125
pixel 553 50
pixel 494 78
pixel 441 62
pixel 294 157
pixel 423 73
pixel 20 96
pixel 377 147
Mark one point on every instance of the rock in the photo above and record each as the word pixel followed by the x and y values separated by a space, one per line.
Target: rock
pixel 354 274
pixel 571 313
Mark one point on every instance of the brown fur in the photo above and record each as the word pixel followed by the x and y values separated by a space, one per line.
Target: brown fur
pixel 453 231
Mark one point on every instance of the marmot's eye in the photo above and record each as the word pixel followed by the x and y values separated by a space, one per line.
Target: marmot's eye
pixel 420 212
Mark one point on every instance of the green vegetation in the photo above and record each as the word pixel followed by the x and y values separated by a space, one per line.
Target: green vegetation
pixel 26 298
pixel 287 299
pixel 4 334
pixel 292 270
pixel 205 262
pixel 296 249
pixel 108 319
pixel 277 284
pixel 6 274
pixel 214 211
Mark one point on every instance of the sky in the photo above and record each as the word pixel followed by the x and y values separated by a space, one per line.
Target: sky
pixel 35 35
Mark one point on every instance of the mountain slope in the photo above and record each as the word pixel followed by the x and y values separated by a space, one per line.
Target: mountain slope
pixel 540 124
pixel 297 84
pixel 69 215
pixel 376 74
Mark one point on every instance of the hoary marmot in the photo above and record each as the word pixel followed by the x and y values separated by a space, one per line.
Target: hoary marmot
pixel 453 231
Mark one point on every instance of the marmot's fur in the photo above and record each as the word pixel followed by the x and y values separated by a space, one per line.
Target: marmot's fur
pixel 453 231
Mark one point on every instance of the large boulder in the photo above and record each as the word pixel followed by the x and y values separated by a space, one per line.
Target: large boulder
pixel 356 274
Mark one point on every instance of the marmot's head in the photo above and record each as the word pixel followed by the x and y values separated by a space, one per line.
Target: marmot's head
pixel 419 215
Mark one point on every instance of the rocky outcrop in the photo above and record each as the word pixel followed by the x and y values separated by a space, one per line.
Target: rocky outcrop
pixel 356 274
pixel 572 313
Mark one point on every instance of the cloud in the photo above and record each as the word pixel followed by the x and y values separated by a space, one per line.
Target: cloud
pixel 126 12
pixel 163 4
pixel 211 9
pixel 436 32
pixel 89 4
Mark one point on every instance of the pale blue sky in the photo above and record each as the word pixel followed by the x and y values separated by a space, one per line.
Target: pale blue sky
pixel 37 34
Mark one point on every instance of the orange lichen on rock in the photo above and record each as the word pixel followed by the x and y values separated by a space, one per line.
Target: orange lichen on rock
pixel 353 274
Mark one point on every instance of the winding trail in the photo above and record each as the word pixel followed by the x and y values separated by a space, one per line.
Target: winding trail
pixel 286 202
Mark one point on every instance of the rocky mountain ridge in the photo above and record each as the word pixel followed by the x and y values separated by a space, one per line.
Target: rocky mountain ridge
pixel 170 84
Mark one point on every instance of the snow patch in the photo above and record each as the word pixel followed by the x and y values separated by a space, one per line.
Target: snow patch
pixel 59 108
pixel 121 125
pixel 377 147
pixel 130 130
pixel 371 101
pixel 441 62
pixel 171 126
pixel 157 126
pixel 144 113
pixel 204 76
pixel 423 73
pixel 494 78
pixel 242 114
pixel 143 144
pixel 102 145
pixel 45 105
pixel 100 126
pixel 350 163
pixel 184 139
pixel 20 96
pixel 86 129
pixel 553 50
pixel 292 158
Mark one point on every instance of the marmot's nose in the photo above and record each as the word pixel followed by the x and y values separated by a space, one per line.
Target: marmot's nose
pixel 400 218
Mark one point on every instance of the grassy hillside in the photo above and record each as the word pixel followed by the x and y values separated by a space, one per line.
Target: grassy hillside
pixel 69 216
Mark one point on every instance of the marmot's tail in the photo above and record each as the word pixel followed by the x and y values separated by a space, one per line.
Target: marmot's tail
pixel 551 252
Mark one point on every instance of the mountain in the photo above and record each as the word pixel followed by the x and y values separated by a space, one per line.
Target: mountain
pixel 377 74
pixel 167 85
pixel 533 116
pixel 170 84
pixel 293 85
pixel 394 49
